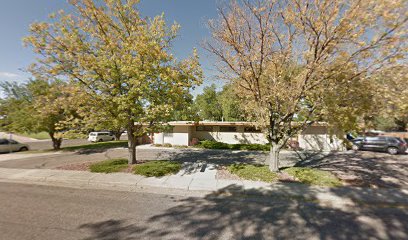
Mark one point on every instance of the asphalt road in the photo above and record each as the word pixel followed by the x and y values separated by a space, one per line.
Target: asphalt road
pixel 43 212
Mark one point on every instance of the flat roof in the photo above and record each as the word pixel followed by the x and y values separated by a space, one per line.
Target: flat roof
pixel 223 123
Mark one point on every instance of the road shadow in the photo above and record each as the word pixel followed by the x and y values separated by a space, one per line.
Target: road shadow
pixel 232 214
pixel 111 230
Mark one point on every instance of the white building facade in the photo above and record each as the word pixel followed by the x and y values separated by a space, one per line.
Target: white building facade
pixel 184 133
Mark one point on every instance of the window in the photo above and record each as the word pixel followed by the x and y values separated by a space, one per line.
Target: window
pixel 168 134
pixel 228 129
pixel 204 128
pixel 13 142
pixel 251 130
pixel 3 141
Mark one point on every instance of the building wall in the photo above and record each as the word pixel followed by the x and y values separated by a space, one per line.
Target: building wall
pixel 230 137
pixel 314 138
pixel 318 138
pixel 179 136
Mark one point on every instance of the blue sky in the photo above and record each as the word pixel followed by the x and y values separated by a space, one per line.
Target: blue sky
pixel 16 16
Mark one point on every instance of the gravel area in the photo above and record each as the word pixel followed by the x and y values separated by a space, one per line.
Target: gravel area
pixel 223 173
pixel 77 167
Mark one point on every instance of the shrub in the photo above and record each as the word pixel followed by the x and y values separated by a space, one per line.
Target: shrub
pixel 314 176
pixel 167 145
pixel 214 145
pixel 157 168
pixel 253 172
pixel 109 166
pixel 219 145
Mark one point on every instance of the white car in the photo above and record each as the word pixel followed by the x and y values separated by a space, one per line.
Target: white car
pixel 100 137
pixel 9 145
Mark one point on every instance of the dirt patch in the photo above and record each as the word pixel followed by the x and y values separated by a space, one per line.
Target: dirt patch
pixel 223 173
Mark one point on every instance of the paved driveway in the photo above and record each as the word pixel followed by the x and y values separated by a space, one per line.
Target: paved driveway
pixel 365 169
pixel 221 157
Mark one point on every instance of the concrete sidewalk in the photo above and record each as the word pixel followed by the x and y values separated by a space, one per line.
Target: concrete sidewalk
pixel 205 183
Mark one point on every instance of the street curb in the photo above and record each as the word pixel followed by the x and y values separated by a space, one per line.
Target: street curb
pixel 341 196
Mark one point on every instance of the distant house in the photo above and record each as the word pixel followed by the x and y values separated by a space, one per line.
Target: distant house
pixel 316 137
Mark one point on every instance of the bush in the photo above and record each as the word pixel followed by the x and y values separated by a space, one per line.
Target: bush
pixel 167 145
pixel 109 166
pixel 157 168
pixel 253 172
pixel 214 145
pixel 219 145
pixel 313 176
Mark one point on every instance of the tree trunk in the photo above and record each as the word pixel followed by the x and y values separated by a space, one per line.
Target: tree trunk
pixel 117 135
pixel 274 157
pixel 131 144
pixel 56 142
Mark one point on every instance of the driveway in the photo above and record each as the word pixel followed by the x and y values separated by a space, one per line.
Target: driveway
pixel 365 169
pixel 220 157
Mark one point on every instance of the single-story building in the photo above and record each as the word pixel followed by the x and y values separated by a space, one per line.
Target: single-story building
pixel 187 133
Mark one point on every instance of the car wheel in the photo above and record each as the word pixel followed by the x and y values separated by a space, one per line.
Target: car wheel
pixel 392 150
pixel 100 140
pixel 23 149
pixel 355 148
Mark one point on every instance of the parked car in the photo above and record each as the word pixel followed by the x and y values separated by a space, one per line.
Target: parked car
pixel 392 145
pixel 9 145
pixel 100 137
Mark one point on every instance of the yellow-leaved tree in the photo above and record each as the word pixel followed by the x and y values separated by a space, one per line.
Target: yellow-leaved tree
pixel 295 62
pixel 120 58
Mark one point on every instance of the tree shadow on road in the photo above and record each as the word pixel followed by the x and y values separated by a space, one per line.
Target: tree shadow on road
pixel 232 214
pixel 111 230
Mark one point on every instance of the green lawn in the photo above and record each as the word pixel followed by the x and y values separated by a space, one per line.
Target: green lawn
pixel 253 172
pixel 313 176
pixel 109 166
pixel 39 136
pixel 99 145
pixel 304 175
pixel 157 168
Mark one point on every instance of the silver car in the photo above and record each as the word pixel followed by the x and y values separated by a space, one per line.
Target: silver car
pixel 9 145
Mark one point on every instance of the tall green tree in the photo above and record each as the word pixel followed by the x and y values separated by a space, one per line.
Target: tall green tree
pixel 207 104
pixel 230 104
pixel 120 58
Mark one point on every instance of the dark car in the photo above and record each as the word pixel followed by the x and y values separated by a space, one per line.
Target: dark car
pixel 392 145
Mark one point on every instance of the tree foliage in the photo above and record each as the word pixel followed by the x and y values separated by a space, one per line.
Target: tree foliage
pixel 311 58
pixel 42 106
pixel 390 105
pixel 120 58
pixel 218 105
